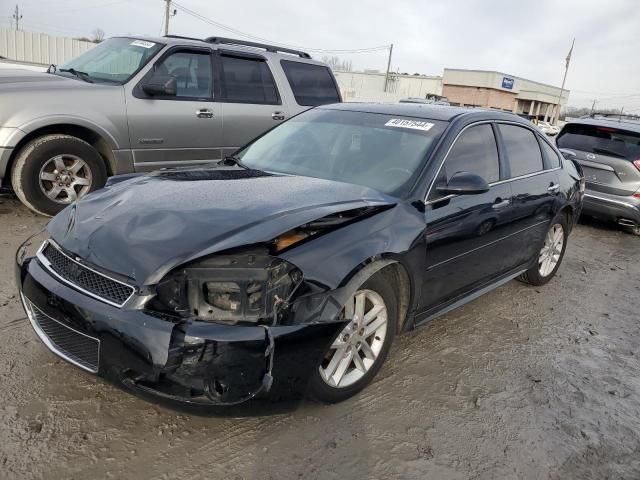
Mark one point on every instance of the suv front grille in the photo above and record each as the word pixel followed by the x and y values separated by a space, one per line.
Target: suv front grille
pixel 95 284
pixel 75 347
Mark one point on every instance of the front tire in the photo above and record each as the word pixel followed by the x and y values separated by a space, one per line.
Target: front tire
pixel 53 171
pixel 359 350
pixel 550 255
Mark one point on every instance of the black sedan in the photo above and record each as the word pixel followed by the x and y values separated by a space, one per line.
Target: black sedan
pixel 289 267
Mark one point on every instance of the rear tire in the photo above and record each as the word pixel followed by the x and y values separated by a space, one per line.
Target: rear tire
pixel 44 177
pixel 550 256
pixel 379 294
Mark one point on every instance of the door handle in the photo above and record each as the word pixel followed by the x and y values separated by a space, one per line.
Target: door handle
pixel 277 115
pixel 499 203
pixel 553 187
pixel 204 113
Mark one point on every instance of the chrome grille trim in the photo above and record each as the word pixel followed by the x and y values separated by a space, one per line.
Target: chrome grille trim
pixel 47 264
pixel 33 313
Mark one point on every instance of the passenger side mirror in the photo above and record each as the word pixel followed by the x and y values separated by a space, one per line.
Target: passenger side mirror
pixel 568 154
pixel 161 85
pixel 464 183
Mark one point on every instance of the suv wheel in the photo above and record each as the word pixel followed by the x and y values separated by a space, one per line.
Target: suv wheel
pixel 359 350
pixel 53 171
pixel 551 254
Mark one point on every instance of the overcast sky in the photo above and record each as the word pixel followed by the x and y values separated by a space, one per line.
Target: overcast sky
pixel 520 37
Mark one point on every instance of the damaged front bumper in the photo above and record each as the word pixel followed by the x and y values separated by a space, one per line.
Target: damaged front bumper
pixel 182 360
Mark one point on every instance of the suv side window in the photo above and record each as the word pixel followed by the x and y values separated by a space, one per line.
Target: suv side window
pixel 522 149
pixel 192 71
pixel 553 160
pixel 247 80
pixel 475 151
pixel 312 85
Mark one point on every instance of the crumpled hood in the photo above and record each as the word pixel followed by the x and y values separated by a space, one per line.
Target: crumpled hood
pixel 142 226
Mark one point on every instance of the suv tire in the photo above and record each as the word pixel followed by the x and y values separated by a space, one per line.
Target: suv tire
pixel 42 157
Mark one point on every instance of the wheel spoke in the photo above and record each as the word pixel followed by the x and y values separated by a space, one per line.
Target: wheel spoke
pixel 80 181
pixel 349 308
pixel 342 368
pixel 48 176
pixel 333 363
pixel 59 163
pixel 366 349
pixel 360 306
pixel 372 314
pixel 357 360
pixel 54 192
pixel 373 326
pixel 77 166
pixel 71 194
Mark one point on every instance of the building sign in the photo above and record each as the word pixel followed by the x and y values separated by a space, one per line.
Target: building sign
pixel 507 83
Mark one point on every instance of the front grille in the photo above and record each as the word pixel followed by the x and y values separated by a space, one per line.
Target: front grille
pixel 75 347
pixel 90 281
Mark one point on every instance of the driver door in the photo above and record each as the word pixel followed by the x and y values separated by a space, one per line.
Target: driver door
pixel 465 233
pixel 181 129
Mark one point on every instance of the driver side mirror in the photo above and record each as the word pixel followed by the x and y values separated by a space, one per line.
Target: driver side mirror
pixel 464 183
pixel 161 85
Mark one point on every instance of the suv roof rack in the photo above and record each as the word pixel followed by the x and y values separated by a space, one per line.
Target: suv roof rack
pixel 183 37
pixel 245 43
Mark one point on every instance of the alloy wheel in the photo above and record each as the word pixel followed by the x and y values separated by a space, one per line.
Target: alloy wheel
pixel 358 345
pixel 551 251
pixel 65 178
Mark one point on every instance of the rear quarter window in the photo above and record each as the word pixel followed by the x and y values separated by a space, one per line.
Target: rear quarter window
pixel 602 140
pixel 312 85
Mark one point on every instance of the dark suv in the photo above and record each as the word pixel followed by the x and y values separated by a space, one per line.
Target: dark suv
pixel 608 149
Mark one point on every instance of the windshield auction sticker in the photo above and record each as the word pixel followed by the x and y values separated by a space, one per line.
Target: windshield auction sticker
pixel 142 43
pixel 413 124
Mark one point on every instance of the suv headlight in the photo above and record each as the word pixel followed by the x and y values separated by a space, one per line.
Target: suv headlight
pixel 31 246
pixel 233 288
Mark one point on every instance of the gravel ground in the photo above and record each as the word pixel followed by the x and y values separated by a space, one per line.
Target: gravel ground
pixel 522 383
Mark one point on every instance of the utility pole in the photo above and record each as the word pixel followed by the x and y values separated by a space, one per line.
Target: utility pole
pixel 167 15
pixel 593 107
pixel 386 78
pixel 17 17
pixel 566 69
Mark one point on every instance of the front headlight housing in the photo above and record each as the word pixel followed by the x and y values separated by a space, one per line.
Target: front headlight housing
pixel 235 288
pixel 31 246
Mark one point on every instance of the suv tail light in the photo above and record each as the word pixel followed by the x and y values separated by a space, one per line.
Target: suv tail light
pixel 637 163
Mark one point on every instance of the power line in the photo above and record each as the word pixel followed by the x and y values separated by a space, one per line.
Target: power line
pixel 264 40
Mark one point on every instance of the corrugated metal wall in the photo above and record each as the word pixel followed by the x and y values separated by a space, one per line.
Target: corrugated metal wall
pixel 39 47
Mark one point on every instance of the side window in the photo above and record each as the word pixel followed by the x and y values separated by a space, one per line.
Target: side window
pixel 192 71
pixel 552 157
pixel 247 80
pixel 475 151
pixel 522 149
pixel 312 85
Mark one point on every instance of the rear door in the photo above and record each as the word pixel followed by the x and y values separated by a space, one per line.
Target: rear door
pixel 534 187
pixel 251 102
pixel 606 154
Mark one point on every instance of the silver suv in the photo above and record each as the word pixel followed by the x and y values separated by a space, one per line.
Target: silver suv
pixel 138 104
pixel 608 149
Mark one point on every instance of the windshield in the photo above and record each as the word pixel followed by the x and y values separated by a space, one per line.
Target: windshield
pixel 384 152
pixel 600 140
pixel 115 60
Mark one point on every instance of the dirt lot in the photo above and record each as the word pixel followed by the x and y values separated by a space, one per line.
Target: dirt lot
pixel 522 383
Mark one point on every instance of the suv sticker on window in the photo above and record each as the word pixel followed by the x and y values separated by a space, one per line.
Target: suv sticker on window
pixel 414 124
pixel 142 43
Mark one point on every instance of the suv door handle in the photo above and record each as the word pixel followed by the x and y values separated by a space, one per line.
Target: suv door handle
pixel 277 115
pixel 553 187
pixel 499 203
pixel 204 113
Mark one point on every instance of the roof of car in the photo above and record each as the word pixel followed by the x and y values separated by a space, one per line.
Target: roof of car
pixel 612 122
pixel 426 111
pixel 227 44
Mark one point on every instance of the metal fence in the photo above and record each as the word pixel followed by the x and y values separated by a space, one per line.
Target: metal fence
pixel 39 48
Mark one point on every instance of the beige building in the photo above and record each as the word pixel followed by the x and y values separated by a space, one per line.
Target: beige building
pixel 370 86
pixel 487 89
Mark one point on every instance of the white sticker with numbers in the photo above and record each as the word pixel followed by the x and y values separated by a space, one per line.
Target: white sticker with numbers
pixel 142 43
pixel 413 124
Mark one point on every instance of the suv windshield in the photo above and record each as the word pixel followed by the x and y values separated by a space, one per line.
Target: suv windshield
pixel 384 152
pixel 115 60
pixel 601 140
